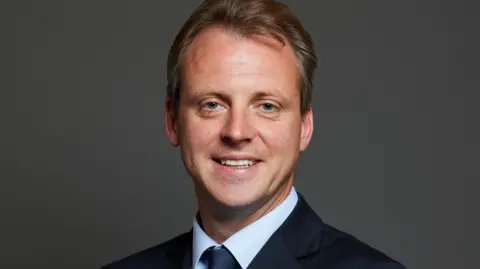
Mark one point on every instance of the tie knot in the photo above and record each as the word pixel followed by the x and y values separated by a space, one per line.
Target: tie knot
pixel 219 258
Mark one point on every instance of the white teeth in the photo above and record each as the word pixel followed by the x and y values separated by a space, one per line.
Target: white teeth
pixel 237 163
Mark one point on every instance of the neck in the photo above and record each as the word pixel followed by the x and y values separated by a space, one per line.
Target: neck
pixel 220 221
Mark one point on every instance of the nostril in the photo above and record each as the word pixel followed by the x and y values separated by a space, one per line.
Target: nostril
pixel 234 141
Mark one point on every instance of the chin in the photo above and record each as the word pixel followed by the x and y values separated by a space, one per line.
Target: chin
pixel 237 196
pixel 235 200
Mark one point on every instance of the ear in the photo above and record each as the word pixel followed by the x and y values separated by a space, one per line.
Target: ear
pixel 307 129
pixel 171 123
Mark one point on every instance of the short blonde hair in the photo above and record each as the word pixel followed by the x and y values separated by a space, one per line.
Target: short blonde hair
pixel 246 18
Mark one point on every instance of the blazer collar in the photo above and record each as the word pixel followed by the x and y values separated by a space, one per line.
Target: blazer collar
pixel 179 252
pixel 302 231
pixel 187 257
pixel 299 236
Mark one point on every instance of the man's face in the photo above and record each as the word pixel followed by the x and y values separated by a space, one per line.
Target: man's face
pixel 239 124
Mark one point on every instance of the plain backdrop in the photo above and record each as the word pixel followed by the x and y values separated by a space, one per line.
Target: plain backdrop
pixel 89 177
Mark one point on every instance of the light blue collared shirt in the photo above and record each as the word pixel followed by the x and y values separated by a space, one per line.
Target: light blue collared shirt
pixel 246 243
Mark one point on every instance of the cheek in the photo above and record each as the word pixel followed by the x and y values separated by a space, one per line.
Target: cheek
pixel 281 136
pixel 198 134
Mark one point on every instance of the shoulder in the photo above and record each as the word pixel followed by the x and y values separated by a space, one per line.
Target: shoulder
pixel 338 249
pixel 168 253
pixel 319 245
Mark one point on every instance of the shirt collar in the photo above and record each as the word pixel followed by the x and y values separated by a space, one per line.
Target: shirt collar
pixel 246 243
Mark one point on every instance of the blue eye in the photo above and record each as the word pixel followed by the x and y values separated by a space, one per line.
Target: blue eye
pixel 211 105
pixel 268 107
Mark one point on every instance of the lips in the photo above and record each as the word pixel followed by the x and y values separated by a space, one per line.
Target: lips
pixel 236 169
pixel 237 163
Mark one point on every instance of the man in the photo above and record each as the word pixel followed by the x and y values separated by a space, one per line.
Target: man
pixel 238 106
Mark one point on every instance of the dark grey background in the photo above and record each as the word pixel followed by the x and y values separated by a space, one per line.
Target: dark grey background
pixel 89 175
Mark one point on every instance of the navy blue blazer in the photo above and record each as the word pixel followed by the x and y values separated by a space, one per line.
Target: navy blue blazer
pixel 303 241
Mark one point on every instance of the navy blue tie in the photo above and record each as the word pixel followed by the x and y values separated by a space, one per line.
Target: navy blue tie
pixel 220 258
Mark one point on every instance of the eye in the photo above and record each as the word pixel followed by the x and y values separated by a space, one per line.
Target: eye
pixel 211 105
pixel 269 107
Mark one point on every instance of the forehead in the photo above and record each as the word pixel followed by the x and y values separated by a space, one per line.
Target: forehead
pixel 219 52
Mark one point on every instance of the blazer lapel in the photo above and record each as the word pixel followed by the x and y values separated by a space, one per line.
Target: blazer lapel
pixel 187 257
pixel 298 237
pixel 179 255
pixel 275 254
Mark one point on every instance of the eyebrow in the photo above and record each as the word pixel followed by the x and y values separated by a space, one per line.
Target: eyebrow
pixel 210 93
pixel 221 94
pixel 273 93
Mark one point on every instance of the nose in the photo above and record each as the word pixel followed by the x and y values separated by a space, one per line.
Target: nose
pixel 238 128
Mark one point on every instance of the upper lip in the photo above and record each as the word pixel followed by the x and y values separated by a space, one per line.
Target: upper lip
pixel 236 157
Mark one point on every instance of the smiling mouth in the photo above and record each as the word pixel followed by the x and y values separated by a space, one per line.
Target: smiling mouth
pixel 236 163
